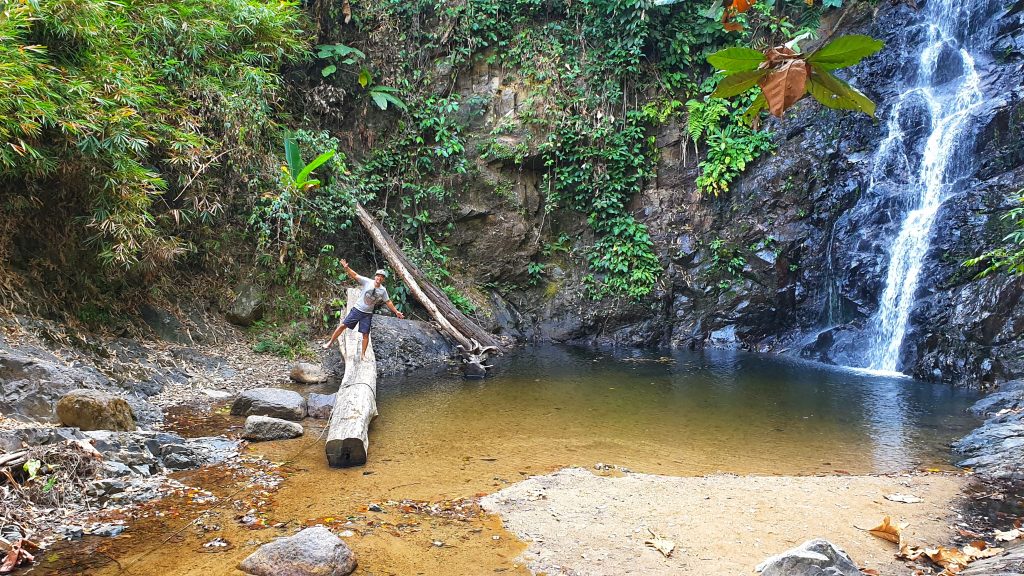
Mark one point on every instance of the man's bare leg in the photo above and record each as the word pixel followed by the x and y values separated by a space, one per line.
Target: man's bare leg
pixel 366 341
pixel 337 333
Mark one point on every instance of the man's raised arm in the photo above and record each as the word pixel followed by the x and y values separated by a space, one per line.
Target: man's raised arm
pixel 351 273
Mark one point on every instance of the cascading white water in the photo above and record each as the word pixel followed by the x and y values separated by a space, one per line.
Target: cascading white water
pixel 925 179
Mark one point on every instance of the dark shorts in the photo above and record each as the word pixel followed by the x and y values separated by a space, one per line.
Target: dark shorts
pixel 357 316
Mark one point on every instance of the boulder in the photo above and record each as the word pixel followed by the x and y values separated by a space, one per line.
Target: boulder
pixel 260 428
pixel 306 373
pixel 247 306
pixel 273 402
pixel 32 381
pixel 95 410
pixel 817 557
pixel 164 324
pixel 320 405
pixel 312 552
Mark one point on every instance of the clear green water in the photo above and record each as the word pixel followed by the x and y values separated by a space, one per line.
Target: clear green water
pixel 688 413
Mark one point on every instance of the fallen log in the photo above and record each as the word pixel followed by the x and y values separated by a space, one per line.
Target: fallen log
pixel 355 404
pixel 437 303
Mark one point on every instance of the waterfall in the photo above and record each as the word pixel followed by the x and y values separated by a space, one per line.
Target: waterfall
pixel 939 102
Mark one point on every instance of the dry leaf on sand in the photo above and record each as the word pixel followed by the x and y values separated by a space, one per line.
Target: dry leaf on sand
pixel 905 498
pixel 660 544
pixel 887 530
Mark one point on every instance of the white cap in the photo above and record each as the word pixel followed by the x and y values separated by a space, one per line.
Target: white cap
pixel 381 272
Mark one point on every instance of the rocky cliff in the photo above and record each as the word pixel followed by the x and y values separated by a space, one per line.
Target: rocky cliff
pixel 793 259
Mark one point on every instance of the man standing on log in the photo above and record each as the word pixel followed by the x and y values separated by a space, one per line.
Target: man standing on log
pixel 372 294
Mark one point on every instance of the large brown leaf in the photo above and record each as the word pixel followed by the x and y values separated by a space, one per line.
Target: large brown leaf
pixel 783 86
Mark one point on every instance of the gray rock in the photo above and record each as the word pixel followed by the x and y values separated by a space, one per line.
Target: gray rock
pixel 31 383
pixel 1010 563
pixel 403 345
pixel 312 552
pixel 164 324
pixel 95 410
pixel 273 402
pixel 996 448
pixel 306 373
pixel 11 440
pixel 261 428
pixel 817 557
pixel 247 306
pixel 724 337
pixel 320 405
pixel 1010 395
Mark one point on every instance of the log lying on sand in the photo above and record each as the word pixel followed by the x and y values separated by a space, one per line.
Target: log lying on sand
pixel 355 405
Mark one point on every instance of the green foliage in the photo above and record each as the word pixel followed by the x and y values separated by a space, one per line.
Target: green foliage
pixel 338 54
pixel 135 116
pixel 1007 259
pixel 284 219
pixel 729 142
pixel 535 272
pixel 464 304
pixel 785 76
pixel 287 343
pixel 596 170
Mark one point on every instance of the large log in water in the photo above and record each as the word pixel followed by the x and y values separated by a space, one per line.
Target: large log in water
pixel 450 318
pixel 355 405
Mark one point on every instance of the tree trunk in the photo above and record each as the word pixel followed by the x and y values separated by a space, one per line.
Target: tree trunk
pixel 355 405
pixel 451 320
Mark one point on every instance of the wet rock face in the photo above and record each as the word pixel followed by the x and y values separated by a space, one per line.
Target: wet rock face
pixel 273 402
pixel 320 405
pixel 404 345
pixel 996 448
pixel 95 410
pixel 311 552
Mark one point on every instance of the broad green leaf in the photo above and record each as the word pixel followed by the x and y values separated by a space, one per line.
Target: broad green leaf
pixel 380 99
pixel 292 155
pixel 396 101
pixel 844 51
pixel 315 164
pixel 751 113
pixel 365 78
pixel 738 83
pixel 736 59
pixel 834 93
pixel 328 70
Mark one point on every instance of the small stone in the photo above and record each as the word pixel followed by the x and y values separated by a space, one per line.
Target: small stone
pixel 314 552
pixel 812 558
pixel 263 428
pixel 306 373
pixel 273 402
pixel 374 508
pixel 320 405
pixel 108 530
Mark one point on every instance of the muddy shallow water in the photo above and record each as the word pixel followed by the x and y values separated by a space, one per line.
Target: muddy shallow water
pixel 440 439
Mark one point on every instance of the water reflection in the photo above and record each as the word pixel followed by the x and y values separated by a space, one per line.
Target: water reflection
pixel 718 410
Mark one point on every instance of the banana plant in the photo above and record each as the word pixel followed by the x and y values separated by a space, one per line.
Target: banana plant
pixel 298 173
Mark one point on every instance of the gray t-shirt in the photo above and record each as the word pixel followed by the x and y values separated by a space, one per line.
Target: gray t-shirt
pixel 371 296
